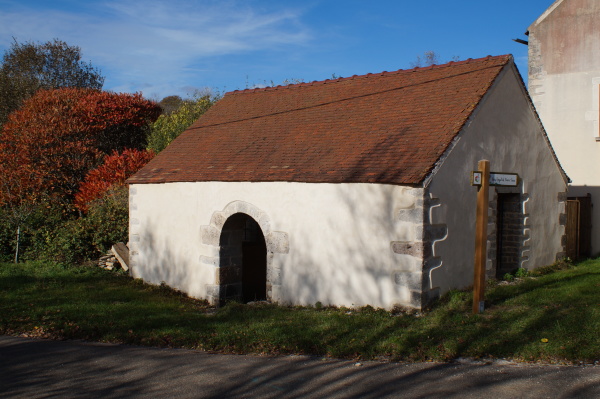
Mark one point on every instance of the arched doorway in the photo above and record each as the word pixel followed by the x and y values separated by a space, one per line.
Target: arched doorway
pixel 243 260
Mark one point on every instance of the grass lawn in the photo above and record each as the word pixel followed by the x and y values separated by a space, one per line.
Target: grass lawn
pixel 553 317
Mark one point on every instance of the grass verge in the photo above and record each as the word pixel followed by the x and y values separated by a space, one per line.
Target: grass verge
pixel 552 318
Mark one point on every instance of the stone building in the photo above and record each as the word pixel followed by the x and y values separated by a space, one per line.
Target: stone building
pixel 564 84
pixel 350 192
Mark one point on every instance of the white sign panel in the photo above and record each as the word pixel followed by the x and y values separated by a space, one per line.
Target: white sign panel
pixel 504 179
pixel 496 179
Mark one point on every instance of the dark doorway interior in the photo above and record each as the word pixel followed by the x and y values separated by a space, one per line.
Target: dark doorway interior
pixel 509 236
pixel 243 260
pixel 254 270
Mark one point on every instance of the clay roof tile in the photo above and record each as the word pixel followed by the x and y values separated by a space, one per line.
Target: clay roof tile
pixel 390 127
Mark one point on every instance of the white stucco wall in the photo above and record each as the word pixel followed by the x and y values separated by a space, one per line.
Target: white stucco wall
pixel 339 235
pixel 505 131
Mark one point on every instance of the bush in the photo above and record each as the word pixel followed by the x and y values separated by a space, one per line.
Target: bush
pixel 109 219
pixel 34 227
pixel 8 233
pixel 57 136
pixel 69 243
pixel 115 169
pixel 168 126
pixel 75 240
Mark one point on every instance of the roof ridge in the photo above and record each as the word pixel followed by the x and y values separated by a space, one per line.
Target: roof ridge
pixel 383 73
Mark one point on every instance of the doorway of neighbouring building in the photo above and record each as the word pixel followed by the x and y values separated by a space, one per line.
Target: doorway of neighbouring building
pixel 509 233
pixel 243 259
pixel 579 227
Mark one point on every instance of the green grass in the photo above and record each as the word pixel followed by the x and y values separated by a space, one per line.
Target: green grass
pixel 58 302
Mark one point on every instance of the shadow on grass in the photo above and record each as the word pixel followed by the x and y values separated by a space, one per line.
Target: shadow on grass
pixel 96 305
pixel 552 317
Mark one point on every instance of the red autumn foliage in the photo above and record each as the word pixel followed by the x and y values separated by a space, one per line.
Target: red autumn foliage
pixel 50 143
pixel 113 172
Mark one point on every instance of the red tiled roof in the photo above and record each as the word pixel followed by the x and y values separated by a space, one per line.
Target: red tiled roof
pixel 390 127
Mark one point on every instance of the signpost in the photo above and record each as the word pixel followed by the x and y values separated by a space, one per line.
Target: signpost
pixel 496 179
pixel 483 178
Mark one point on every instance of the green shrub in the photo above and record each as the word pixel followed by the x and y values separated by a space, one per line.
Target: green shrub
pixel 73 240
pixel 8 233
pixel 108 217
pixel 521 272
pixel 34 224
pixel 57 235
pixel 167 127
pixel 69 243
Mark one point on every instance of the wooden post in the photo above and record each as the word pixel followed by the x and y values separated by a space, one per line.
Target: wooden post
pixel 481 223
pixel 18 240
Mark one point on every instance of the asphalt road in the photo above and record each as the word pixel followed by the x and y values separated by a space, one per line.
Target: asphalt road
pixel 31 368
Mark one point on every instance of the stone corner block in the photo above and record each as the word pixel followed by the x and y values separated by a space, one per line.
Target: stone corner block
pixel 562 219
pixel 562 196
pixel 276 293
pixel 278 242
pixel 218 219
pixel 210 235
pixel 412 248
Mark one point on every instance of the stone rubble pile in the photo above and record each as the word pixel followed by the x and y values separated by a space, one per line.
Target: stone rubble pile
pixel 118 256
pixel 108 261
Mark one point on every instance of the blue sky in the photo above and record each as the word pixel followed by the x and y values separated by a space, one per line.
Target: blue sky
pixel 162 48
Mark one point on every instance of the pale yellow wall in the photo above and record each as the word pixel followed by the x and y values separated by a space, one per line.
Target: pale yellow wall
pixel 504 130
pixel 564 84
pixel 339 237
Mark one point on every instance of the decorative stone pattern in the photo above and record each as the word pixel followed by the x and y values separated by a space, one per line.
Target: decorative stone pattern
pixel 414 274
pixel 526 232
pixel 433 233
pixel 408 275
pixel 226 263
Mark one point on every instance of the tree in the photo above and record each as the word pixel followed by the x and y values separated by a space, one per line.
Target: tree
pixel 168 126
pixel 113 172
pixel 28 67
pixel 171 104
pixel 57 136
pixel 429 58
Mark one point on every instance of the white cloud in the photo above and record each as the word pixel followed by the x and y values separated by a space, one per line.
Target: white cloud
pixel 154 46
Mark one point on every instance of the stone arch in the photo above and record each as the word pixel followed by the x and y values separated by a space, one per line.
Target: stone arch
pixel 275 242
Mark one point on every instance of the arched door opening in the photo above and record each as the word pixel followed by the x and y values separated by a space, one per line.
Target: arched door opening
pixel 243 260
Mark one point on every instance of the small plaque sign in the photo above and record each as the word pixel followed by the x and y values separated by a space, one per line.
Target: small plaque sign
pixel 496 179
pixel 476 178
pixel 504 179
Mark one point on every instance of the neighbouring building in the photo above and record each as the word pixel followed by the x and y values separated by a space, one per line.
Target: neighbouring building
pixel 350 192
pixel 564 84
